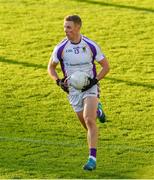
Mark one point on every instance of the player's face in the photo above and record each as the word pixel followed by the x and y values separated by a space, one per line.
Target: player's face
pixel 71 29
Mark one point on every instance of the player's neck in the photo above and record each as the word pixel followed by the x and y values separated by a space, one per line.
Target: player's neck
pixel 76 39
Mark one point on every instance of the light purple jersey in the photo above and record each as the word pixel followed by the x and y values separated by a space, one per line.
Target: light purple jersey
pixel 77 57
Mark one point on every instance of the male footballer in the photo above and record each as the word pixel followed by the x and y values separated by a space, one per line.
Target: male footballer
pixel 78 53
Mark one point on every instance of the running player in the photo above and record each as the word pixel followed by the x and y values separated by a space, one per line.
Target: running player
pixel 77 52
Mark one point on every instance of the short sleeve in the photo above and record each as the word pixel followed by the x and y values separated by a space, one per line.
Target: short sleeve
pixel 99 54
pixel 54 57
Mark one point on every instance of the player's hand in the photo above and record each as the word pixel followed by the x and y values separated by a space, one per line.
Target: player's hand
pixel 92 83
pixel 63 84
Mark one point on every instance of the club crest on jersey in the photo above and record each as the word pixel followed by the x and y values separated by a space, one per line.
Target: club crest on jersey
pixel 84 49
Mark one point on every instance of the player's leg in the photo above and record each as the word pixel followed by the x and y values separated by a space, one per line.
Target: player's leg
pixel 89 114
pixel 76 102
pixel 86 106
pixel 100 115
pixel 80 117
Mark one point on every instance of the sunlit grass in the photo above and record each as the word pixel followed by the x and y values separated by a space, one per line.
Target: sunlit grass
pixel 39 133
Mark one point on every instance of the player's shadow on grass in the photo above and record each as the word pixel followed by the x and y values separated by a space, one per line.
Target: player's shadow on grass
pixel 39 66
pixel 130 83
pixel 116 5
pixel 25 64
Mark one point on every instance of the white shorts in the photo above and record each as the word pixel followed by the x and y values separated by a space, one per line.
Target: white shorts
pixel 77 100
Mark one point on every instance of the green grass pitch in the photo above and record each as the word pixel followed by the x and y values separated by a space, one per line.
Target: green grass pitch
pixel 40 136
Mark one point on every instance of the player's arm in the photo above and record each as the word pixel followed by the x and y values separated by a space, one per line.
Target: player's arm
pixel 104 70
pixel 53 74
pixel 52 70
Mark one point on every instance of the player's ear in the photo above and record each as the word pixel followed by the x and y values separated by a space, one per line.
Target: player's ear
pixel 78 27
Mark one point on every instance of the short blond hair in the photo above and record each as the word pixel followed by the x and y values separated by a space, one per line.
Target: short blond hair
pixel 75 18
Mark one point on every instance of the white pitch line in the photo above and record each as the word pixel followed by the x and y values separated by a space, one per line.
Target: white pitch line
pixel 79 145
pixel 38 141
